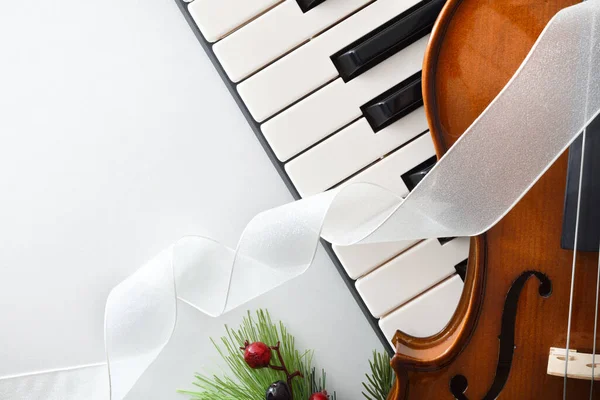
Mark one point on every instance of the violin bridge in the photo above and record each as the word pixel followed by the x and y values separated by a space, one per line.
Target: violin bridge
pixel 579 366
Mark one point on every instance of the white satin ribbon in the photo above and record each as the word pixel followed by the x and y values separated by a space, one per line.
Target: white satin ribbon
pixel 548 102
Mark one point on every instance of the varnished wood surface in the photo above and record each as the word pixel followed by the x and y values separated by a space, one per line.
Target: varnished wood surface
pixel 476 47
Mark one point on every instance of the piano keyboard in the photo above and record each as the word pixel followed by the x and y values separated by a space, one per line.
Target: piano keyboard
pixel 332 89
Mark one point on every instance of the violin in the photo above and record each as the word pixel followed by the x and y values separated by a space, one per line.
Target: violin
pixel 516 307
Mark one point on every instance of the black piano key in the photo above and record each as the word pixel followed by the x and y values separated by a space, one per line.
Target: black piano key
pixel 445 240
pixel 414 176
pixel 394 103
pixel 461 268
pixel 307 5
pixel 387 40
pixel 588 237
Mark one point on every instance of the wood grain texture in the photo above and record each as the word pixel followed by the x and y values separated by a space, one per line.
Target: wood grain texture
pixel 476 47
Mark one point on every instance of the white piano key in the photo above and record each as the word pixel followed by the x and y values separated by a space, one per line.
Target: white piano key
pixel 350 150
pixel 427 314
pixel 275 33
pixel 411 273
pixel 338 103
pixel 359 260
pixel 388 172
pixel 309 67
pixel 216 18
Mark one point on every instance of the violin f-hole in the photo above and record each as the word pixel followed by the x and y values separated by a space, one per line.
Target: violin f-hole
pixel 459 383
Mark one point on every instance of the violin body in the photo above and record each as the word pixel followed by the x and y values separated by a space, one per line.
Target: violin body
pixel 516 297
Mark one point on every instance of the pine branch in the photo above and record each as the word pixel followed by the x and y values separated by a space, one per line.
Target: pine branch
pixel 244 383
pixel 381 379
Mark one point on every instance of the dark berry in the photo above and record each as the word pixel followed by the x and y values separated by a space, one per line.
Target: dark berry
pixel 319 396
pixel 278 391
pixel 257 355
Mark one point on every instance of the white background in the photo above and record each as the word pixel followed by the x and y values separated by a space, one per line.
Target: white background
pixel 117 137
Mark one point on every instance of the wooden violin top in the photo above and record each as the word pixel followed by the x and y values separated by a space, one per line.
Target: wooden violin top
pixel 516 298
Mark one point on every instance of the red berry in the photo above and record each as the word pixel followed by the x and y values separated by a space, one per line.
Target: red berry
pixel 257 355
pixel 319 396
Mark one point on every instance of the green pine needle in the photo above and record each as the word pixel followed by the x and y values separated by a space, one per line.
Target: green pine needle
pixel 381 379
pixel 245 383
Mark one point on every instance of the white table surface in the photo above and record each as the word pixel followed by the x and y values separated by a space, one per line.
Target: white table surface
pixel 117 137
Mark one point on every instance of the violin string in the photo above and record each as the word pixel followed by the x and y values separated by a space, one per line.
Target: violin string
pixel 572 289
pixel 595 327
